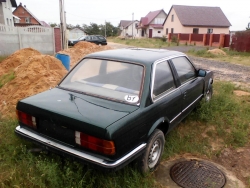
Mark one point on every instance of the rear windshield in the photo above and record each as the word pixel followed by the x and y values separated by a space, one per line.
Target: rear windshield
pixel 107 79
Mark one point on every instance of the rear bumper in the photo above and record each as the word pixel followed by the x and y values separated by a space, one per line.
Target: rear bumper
pixel 85 157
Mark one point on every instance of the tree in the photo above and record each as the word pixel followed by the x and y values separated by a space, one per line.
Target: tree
pixel 248 26
pixel 94 29
pixel 54 25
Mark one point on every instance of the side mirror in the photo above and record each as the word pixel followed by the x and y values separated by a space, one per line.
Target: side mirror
pixel 202 73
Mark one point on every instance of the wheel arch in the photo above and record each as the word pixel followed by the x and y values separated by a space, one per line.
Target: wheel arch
pixel 161 124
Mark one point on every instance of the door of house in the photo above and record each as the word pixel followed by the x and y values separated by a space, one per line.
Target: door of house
pixel 142 33
pixel 150 33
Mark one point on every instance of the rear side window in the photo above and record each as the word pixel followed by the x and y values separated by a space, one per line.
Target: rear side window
pixel 101 37
pixel 163 80
pixel 184 68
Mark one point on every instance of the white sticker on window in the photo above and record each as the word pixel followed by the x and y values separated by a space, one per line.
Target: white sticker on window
pixel 131 98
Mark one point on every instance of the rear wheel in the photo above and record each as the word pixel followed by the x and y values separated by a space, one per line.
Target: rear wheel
pixel 151 158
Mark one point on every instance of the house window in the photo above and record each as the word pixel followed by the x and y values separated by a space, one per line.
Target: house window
pixel 27 20
pixel 7 21
pixel 159 20
pixel 172 18
pixel 209 30
pixel 172 30
pixel 195 30
pixel 166 31
pixel 10 22
pixel 159 31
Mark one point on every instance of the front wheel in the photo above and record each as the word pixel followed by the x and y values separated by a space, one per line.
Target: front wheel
pixel 209 94
pixel 151 158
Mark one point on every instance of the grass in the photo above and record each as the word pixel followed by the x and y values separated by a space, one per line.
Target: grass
pixel 143 43
pixel 242 58
pixel 226 118
pixel 6 78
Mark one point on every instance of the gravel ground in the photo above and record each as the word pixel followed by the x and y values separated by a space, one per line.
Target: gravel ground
pixel 238 74
pixel 223 71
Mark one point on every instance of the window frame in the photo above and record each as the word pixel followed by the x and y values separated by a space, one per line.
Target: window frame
pixel 172 18
pixel 176 73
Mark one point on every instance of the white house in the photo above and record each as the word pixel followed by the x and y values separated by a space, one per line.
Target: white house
pixel 6 17
pixel 128 28
pixel 76 33
pixel 151 25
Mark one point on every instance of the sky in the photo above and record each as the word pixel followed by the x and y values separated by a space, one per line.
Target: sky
pixel 98 11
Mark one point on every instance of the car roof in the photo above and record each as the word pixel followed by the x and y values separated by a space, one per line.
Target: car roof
pixel 140 55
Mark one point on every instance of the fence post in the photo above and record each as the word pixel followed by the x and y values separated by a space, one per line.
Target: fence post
pixel 211 40
pixel 53 39
pixel 204 39
pixel 169 37
pixel 179 36
pixel 222 39
pixel 190 38
pixel 19 38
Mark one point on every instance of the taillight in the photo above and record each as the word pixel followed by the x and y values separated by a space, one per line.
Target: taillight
pixel 95 144
pixel 26 119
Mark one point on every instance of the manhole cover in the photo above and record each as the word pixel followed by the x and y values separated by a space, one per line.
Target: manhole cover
pixel 197 174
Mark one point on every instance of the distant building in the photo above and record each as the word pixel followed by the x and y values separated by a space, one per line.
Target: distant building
pixel 196 19
pixel 151 26
pixel 26 17
pixel 6 17
pixel 128 28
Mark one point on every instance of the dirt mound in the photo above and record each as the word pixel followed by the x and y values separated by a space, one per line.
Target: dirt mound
pixel 217 52
pixel 36 74
pixel 16 59
pixel 81 49
pixel 241 93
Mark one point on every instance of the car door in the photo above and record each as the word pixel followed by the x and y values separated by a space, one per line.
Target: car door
pixel 165 94
pixel 190 84
pixel 95 40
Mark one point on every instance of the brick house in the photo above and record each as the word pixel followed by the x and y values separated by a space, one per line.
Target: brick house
pixel 151 25
pixel 196 19
pixel 26 17
pixel 6 17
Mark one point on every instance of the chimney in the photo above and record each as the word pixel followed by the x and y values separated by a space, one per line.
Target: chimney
pixel 24 6
pixel 20 4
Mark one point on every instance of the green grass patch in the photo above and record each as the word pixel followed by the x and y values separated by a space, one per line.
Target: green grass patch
pixel 144 42
pixel 225 118
pixel 242 58
pixel 6 78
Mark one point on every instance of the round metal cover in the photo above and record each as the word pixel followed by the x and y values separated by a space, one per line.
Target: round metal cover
pixel 197 174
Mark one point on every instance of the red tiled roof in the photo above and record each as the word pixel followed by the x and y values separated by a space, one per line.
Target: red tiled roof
pixel 150 16
pixel 201 16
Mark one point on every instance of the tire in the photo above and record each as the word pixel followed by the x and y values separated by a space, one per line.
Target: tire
pixel 150 159
pixel 209 94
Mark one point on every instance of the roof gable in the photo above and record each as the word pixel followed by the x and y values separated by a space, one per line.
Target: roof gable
pixel 150 17
pixel 201 16
pixel 25 8
pixel 126 23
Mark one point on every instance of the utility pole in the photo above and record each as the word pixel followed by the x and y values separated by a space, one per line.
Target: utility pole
pixel 105 29
pixel 62 22
pixel 132 25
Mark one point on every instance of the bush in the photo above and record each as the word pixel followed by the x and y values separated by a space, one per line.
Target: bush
pixel 174 39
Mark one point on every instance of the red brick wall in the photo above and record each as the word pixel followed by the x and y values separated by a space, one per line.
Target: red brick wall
pixel 22 14
pixel 58 39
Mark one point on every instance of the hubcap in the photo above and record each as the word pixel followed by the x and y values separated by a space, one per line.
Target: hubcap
pixel 208 96
pixel 154 154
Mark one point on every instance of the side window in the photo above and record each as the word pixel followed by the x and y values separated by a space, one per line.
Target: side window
pixel 184 68
pixel 94 38
pixel 163 80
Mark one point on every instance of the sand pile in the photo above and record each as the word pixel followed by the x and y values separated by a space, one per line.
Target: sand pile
pixel 36 74
pixel 217 52
pixel 81 49
pixel 16 59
